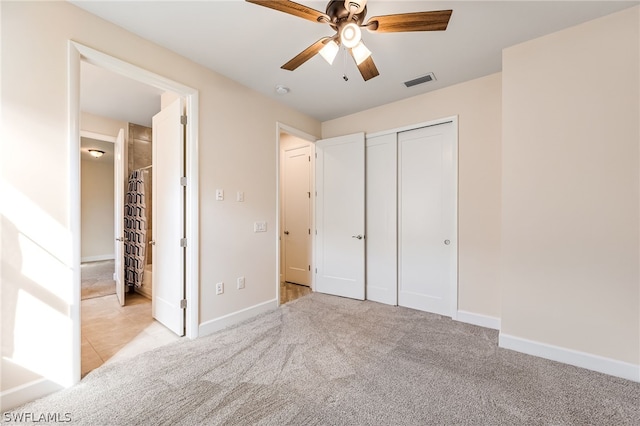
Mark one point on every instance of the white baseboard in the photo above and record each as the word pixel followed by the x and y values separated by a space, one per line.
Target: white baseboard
pixel 15 397
pixel 218 324
pixel 569 356
pixel 478 319
pixel 97 258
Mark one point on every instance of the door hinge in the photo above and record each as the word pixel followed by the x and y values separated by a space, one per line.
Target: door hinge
pixel 316 270
pixel 309 267
pixel 316 232
pixel 183 304
pixel 183 180
pixel 183 120
pixel 309 231
pixel 309 158
pixel 183 242
pixel 309 194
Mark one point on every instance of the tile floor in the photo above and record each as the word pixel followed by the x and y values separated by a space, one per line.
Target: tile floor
pixel 112 332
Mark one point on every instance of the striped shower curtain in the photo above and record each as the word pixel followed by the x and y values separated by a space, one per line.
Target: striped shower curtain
pixel 135 230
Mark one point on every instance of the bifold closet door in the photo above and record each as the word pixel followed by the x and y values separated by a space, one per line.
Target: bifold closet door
pixel 427 243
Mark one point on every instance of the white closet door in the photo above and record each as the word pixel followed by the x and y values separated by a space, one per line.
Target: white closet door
pixel 427 219
pixel 340 216
pixel 382 217
pixel 119 216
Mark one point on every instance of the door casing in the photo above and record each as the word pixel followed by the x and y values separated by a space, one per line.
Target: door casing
pixel 78 52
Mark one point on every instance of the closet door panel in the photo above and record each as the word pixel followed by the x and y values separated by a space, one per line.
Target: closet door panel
pixel 381 219
pixel 426 225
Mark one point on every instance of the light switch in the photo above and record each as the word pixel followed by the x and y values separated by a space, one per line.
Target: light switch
pixel 260 227
pixel 219 194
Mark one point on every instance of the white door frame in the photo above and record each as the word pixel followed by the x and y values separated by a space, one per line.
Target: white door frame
pixel 283 128
pixel 76 53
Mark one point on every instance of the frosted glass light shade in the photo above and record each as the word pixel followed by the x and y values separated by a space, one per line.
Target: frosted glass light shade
pixel 360 53
pixel 329 51
pixel 350 35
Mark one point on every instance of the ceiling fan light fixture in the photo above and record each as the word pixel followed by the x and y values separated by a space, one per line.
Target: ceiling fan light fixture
pixel 360 53
pixel 96 153
pixel 350 35
pixel 329 51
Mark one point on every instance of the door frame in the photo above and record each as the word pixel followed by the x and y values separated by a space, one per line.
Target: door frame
pixel 78 52
pixel 116 213
pixel 283 128
pixel 454 240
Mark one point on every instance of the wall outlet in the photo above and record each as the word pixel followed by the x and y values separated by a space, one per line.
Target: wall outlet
pixel 240 196
pixel 219 194
pixel 240 283
pixel 219 288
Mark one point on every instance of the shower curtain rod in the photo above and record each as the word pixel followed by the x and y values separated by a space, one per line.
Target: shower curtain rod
pixel 145 168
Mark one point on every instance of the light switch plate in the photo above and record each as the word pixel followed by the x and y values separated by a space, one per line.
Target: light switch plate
pixel 219 194
pixel 260 227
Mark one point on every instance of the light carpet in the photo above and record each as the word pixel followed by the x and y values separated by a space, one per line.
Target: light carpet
pixel 324 360
pixel 97 279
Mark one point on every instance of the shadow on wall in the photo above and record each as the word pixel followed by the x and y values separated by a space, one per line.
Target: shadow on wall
pixel 27 310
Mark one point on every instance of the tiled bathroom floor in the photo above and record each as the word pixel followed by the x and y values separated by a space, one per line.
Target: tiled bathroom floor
pixel 112 332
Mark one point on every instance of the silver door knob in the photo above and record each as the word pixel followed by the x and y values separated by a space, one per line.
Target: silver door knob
pixel 447 242
pixel 359 237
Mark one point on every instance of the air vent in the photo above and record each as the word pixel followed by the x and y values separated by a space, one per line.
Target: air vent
pixel 419 80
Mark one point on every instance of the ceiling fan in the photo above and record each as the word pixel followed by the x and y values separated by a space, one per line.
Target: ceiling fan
pixel 346 17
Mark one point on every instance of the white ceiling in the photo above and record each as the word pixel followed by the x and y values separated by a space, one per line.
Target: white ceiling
pixel 249 43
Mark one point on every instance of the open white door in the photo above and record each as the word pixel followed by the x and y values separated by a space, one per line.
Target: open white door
pixel 297 216
pixel 118 214
pixel 340 216
pixel 168 217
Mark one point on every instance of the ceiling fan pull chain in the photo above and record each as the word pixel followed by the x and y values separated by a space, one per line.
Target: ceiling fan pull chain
pixel 344 64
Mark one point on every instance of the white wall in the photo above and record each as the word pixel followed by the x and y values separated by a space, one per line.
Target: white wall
pixel 97 210
pixel 570 199
pixel 236 140
pixel 478 105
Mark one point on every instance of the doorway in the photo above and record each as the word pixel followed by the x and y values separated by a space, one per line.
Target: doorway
pixel 296 155
pixel 189 312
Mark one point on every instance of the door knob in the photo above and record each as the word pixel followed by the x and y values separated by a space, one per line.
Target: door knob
pixel 119 239
pixel 447 242
pixel 286 232
pixel 153 243
pixel 359 236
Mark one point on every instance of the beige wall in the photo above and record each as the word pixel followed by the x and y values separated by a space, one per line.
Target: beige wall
pixel 570 189
pixel 102 125
pixel 236 139
pixel 97 210
pixel 477 103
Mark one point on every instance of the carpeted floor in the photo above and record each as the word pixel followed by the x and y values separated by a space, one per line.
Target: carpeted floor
pixel 324 360
pixel 97 279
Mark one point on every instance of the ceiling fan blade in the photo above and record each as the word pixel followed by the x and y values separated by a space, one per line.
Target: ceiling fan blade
pixel 292 8
pixel 368 69
pixel 436 20
pixel 305 55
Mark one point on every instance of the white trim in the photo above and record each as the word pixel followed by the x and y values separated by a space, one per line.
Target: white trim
pixel 15 397
pixel 78 52
pixel 453 118
pixel 97 258
pixel 98 136
pixel 233 318
pixel 586 360
pixel 478 319
pixel 284 128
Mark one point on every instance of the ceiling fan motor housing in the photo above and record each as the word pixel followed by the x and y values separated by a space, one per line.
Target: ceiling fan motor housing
pixel 338 13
